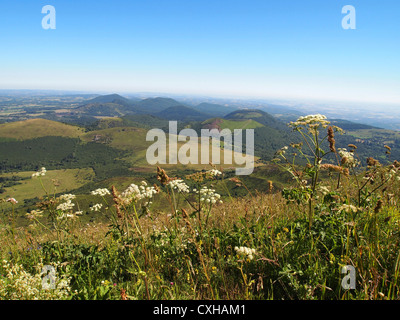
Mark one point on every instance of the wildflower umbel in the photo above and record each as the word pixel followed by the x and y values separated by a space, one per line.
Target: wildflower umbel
pixel 245 252
pixel 100 192
pixel 96 207
pixel 348 159
pixel 179 185
pixel 313 121
pixel 40 173
pixel 208 195
pixel 214 172
pixel 12 200
pixel 134 193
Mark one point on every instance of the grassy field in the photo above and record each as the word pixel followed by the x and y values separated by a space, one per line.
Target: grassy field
pixel 134 141
pixel 55 181
pixel 35 128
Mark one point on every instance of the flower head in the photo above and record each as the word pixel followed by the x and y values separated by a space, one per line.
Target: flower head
pixel 96 207
pixel 41 172
pixel 245 252
pixel 179 185
pixel 313 121
pixel 12 200
pixel 100 192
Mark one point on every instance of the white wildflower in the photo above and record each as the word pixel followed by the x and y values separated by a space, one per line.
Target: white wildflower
pixel 40 173
pixel 135 193
pixel 313 121
pixel 348 159
pixel 66 206
pixel 348 208
pixel 96 207
pixel 324 190
pixel 214 172
pixel 34 214
pixel 100 192
pixel 209 196
pixel 67 197
pixel 245 252
pixel 179 185
pixel 12 200
pixel 18 284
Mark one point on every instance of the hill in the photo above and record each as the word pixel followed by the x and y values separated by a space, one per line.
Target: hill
pixel 155 105
pixel 145 121
pixel 182 113
pixel 213 109
pixel 351 126
pixel 115 105
pixel 260 116
pixel 220 124
pixel 111 98
pixel 36 128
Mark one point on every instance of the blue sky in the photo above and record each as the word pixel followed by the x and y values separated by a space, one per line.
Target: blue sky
pixel 287 49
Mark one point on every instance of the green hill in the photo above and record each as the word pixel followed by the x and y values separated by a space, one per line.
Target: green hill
pixel 260 116
pixel 220 124
pixel 182 113
pixel 213 109
pixel 350 126
pixel 155 105
pixel 111 98
pixel 36 128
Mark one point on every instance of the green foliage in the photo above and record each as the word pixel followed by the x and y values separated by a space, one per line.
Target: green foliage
pixel 61 153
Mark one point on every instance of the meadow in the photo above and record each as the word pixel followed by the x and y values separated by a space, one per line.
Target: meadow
pixel 194 236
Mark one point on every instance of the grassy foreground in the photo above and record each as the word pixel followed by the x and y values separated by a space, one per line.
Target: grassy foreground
pixel 287 245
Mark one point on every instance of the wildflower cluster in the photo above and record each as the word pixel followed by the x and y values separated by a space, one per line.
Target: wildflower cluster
pixel 135 193
pixel 12 200
pixel 34 214
pixel 40 173
pixel 246 252
pixel 22 285
pixel 65 208
pixel 96 207
pixel 313 121
pixel 214 172
pixel 179 185
pixel 208 195
pixel 67 205
pixel 348 208
pixel 348 159
pixel 100 192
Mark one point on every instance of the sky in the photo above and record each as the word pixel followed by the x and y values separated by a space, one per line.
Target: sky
pixel 288 49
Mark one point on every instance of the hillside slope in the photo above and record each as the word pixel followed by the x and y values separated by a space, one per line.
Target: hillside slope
pixel 36 128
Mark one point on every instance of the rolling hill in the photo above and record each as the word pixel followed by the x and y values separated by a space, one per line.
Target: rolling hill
pixel 260 116
pixel 110 98
pixel 220 124
pixel 36 128
pixel 182 113
pixel 155 105
pixel 213 109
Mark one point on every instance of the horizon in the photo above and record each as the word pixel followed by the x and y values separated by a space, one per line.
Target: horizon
pixel 285 51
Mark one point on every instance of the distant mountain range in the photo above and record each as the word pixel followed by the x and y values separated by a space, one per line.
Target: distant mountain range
pixel 114 105
pixel 113 119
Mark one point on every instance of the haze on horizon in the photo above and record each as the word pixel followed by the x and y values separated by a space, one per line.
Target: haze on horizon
pixel 247 49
